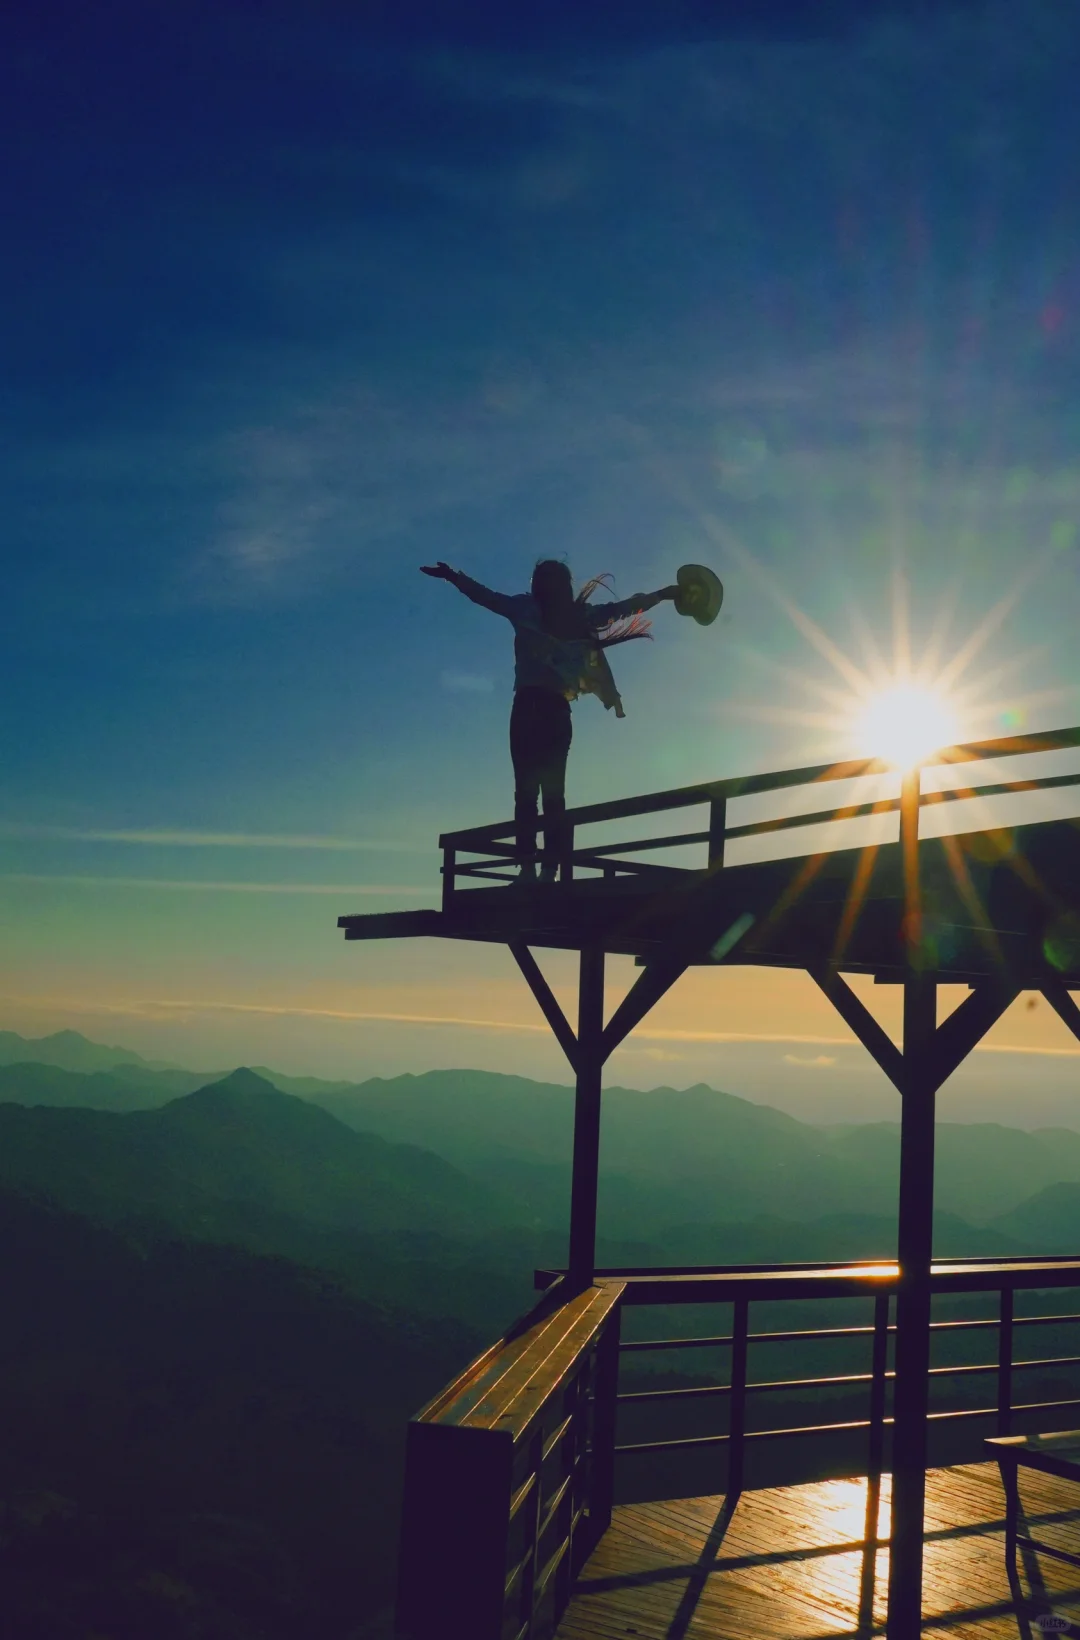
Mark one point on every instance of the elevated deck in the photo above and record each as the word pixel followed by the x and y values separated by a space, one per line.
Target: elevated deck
pixel 801 1563
pixel 994 899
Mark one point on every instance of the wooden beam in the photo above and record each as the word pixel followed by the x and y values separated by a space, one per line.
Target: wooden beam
pixel 544 995
pixel 857 1016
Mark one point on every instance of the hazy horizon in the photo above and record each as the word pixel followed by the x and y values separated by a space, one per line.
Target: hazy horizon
pixel 815 1082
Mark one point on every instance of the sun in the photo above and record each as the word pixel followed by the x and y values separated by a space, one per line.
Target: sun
pixel 906 723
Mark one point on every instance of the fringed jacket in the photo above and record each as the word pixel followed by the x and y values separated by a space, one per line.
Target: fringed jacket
pixel 568 666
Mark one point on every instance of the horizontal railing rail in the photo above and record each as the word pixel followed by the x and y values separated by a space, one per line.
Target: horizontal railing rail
pixel 748 1285
pixel 495 842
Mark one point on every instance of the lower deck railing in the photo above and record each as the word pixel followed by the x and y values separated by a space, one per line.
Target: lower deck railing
pixel 991 1393
pixel 512 1471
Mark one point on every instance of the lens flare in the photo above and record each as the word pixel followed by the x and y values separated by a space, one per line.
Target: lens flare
pixel 905 724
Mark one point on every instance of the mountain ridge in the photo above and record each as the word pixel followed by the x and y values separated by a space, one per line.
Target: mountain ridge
pixel 70 1050
pixel 237 1140
pixel 669 1156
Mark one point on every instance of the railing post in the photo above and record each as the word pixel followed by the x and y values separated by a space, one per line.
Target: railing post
pixel 878 1369
pixel 566 852
pixel 737 1400
pixel 1005 1363
pixel 601 1496
pixel 717 832
pixel 449 871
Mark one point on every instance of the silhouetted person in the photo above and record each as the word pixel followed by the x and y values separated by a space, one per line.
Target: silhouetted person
pixel 559 643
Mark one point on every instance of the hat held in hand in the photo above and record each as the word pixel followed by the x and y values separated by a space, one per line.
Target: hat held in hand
pixel 700 593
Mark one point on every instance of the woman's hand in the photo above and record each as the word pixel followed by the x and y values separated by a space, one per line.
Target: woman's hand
pixel 441 571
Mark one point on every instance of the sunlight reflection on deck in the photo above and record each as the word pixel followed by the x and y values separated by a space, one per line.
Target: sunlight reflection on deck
pixel 794 1562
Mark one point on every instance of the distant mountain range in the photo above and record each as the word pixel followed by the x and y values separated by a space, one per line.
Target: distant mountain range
pixel 471 1159
pixel 695 1154
pixel 70 1051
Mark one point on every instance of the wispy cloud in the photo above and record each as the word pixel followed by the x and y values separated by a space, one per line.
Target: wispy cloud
pixel 1015 1047
pixel 466 683
pixel 172 838
pixel 193 1007
pixel 156 1007
pixel 192 885
pixel 367 466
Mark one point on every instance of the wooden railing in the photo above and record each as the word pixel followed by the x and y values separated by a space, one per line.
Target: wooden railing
pixel 508 1481
pixel 511 1471
pixel 875 1284
pixel 495 846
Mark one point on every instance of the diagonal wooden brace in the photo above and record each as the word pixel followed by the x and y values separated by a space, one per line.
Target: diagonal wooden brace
pixel 645 993
pixel 544 995
pixel 857 1016
pixel 695 935
pixel 1060 999
pixel 965 1028
pixel 951 1042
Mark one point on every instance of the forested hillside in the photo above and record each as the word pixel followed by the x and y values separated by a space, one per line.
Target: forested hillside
pixel 194 1441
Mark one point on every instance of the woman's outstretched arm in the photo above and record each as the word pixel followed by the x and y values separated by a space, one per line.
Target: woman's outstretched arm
pixel 500 603
pixel 603 613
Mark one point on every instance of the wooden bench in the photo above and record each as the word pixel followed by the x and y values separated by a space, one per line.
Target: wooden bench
pixel 1056 1454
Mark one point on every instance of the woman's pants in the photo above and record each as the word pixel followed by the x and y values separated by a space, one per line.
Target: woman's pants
pixel 539 744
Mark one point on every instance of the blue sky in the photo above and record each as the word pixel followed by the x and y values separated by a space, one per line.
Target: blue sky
pixel 294 298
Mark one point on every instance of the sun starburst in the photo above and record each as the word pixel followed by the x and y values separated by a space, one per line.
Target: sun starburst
pixel 905 723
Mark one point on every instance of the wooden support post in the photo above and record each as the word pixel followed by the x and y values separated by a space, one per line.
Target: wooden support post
pixel 929 1057
pixel 914 1247
pixel 590 1066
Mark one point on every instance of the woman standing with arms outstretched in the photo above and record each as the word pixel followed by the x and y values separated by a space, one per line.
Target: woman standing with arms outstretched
pixel 559 643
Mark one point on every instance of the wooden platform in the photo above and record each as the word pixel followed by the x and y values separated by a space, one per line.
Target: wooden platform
pixel 990 897
pixel 793 1562
pixel 988 901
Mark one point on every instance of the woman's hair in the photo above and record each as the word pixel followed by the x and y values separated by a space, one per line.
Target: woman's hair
pixel 567 616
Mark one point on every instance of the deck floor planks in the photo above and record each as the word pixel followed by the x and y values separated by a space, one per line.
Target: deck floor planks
pixel 791 1563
